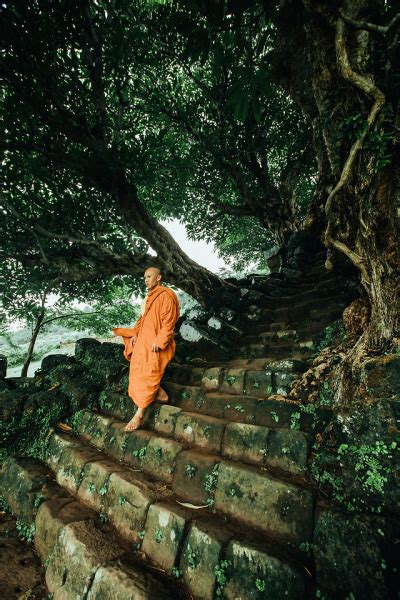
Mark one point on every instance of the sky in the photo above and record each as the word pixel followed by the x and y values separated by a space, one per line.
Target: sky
pixel 202 252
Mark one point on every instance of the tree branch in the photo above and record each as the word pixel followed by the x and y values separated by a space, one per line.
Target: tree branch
pixel 370 26
pixel 369 88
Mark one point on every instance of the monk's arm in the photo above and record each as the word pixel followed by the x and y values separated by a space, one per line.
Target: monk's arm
pixel 168 319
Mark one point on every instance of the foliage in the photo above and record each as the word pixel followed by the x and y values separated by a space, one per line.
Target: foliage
pixel 145 98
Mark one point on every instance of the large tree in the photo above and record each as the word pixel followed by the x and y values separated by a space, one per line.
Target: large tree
pixel 340 63
pixel 110 127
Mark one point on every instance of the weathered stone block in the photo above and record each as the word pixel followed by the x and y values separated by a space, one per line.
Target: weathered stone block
pixel 240 409
pixel 200 556
pixel 94 486
pixel 124 582
pixel 164 531
pixel 166 419
pixel 25 483
pixel 85 347
pixel 96 429
pixel 233 382
pixel 275 413
pixel 287 450
pixel 211 404
pixel 115 404
pixel 160 457
pixel 212 379
pixel 52 516
pixel 259 383
pixel 134 448
pixel 266 503
pixel 199 430
pixel 79 551
pixel 195 477
pixel 57 444
pixel 69 469
pixel 188 398
pixel 283 382
pixel 253 573
pixel 245 442
pixel 126 503
pixel 116 440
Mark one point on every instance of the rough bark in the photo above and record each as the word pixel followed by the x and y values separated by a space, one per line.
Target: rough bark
pixel 341 80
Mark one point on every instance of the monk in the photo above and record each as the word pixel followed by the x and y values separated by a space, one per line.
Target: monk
pixel 150 345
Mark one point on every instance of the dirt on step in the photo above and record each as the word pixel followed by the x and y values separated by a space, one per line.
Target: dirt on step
pixel 21 574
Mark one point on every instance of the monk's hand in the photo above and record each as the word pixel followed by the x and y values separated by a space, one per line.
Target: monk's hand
pixel 134 339
pixel 154 347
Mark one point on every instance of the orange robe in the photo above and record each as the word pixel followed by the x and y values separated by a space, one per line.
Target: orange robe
pixel 155 325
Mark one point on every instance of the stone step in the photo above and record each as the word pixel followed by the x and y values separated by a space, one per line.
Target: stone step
pixel 330 304
pixel 313 324
pixel 270 351
pixel 267 447
pixel 256 408
pixel 270 375
pixel 83 556
pixel 198 549
pixel 193 476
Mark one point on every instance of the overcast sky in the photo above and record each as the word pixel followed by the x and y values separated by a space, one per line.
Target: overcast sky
pixel 202 252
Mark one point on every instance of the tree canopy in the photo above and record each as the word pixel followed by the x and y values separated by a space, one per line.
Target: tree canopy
pixel 247 121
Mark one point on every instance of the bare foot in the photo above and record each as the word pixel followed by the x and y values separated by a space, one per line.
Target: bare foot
pixel 134 423
pixel 162 395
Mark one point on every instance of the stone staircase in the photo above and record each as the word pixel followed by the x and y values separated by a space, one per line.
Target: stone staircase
pixel 211 499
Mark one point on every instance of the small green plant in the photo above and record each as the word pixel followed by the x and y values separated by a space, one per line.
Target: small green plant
pixel 158 452
pixel 231 379
pixel 124 444
pixel 260 585
pixel 325 396
pixel 141 534
pixel 176 572
pixel 121 500
pixel 140 454
pixel 190 470
pixel 158 536
pixel 210 480
pixel 220 576
pixel 104 488
pixel 275 416
pixel 239 408
pixel 295 420
pixel 91 487
pixel 24 531
pixel 207 430
pixel 192 558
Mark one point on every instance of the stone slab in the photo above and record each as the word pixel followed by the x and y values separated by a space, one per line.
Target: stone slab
pixel 245 442
pixel 253 574
pixel 201 554
pixel 164 531
pixel 273 506
pixel 79 551
pixel 200 430
pixel 126 503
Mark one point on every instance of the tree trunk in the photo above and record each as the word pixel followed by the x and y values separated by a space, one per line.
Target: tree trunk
pixel 176 266
pixel 340 78
pixel 38 324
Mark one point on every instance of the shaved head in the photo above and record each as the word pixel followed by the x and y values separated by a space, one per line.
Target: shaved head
pixel 152 277
pixel 155 270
